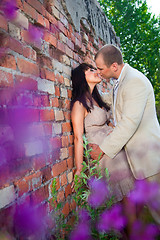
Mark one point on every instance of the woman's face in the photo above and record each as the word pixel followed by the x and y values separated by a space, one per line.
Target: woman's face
pixel 92 76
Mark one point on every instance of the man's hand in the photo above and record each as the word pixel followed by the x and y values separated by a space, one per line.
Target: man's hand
pixel 95 151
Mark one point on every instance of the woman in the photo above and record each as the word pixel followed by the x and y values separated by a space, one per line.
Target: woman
pixel 89 112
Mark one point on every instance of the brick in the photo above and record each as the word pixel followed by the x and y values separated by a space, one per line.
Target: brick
pixel 36 5
pixel 70 177
pixel 73 205
pixel 46 174
pixel 59 168
pixel 40 194
pixel 69 93
pixel 59 115
pixel 21 20
pixel 8 61
pixel 61 46
pixel 60 196
pixel 57 91
pixel 59 78
pixel 64 93
pixel 54 102
pixel 26 83
pixel 55 142
pixel 65 142
pixel 47 74
pixel 66 209
pixel 57 128
pixel 66 127
pixel 67 82
pixel 45 101
pixel 45 62
pixel 30 11
pixel 68 190
pixel 70 150
pixel 27 67
pixel 47 129
pixel 7 195
pixel 3 23
pixel 70 163
pixel 30 53
pixel 22 186
pixel 33 148
pixel 38 162
pixel 63 153
pixel 46 115
pixel 46 86
pixel 6 79
pixel 67 115
pixel 48 37
pixel 63 179
pixel 71 139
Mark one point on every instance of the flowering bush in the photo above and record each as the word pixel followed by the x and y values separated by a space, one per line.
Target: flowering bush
pixel 99 217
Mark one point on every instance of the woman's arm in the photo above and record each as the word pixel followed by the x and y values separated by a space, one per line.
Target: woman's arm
pixel 77 117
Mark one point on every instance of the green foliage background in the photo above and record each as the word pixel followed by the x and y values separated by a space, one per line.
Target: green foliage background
pixel 139 33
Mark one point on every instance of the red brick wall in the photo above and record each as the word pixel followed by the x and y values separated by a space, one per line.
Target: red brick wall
pixel 35 93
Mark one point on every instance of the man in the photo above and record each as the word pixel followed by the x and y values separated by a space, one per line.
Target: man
pixel 133 106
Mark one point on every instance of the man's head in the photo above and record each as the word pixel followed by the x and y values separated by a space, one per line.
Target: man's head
pixel 109 61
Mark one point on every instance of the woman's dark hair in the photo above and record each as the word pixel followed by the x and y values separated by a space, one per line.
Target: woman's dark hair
pixel 81 91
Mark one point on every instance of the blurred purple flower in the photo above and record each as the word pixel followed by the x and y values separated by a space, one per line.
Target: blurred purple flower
pixel 81 232
pixel 112 219
pixel 142 232
pixel 9 8
pixel 146 192
pixel 35 33
pixel 84 215
pixel 30 221
pixel 99 192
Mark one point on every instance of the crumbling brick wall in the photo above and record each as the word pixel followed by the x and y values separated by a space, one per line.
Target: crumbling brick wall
pixel 35 92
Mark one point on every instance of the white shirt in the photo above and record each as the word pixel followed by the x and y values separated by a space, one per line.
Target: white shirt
pixel 115 90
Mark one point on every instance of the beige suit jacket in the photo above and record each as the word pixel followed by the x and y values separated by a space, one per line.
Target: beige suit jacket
pixel 137 128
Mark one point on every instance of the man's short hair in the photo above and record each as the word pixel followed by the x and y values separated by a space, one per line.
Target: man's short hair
pixel 110 54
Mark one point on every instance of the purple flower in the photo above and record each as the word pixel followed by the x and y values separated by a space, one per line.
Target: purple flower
pixel 84 215
pixel 81 232
pixel 29 221
pixel 99 192
pixel 112 219
pixel 142 232
pixel 146 192
pixel 10 9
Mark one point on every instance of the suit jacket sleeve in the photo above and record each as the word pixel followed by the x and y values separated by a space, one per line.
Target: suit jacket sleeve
pixel 134 95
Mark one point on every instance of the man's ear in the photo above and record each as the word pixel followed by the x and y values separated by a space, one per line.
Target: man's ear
pixel 114 67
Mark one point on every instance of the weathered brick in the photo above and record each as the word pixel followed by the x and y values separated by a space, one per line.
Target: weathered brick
pixel 47 74
pixel 46 174
pixel 57 128
pixel 6 79
pixel 60 196
pixel 7 195
pixel 70 163
pixel 26 83
pixel 68 190
pixel 46 86
pixel 30 53
pixel 48 37
pixel 27 67
pixel 63 179
pixel 55 143
pixel 46 115
pixel 59 116
pixel 30 11
pixel 40 195
pixel 59 168
pixel 54 102
pixel 33 148
pixel 70 177
pixel 66 127
pixel 22 186
pixel 66 209
pixel 63 153
pixel 65 142
pixel 3 23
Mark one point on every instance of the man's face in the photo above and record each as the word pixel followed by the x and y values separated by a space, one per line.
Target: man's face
pixel 102 69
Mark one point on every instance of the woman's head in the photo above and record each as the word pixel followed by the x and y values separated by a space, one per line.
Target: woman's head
pixel 82 78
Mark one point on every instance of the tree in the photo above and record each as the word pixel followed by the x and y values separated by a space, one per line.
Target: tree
pixel 139 34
